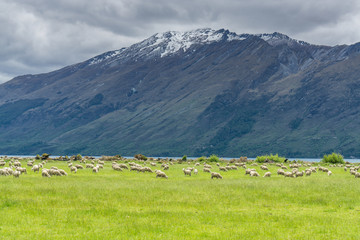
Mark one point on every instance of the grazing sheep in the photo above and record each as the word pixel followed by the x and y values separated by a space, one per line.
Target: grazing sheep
pixel 264 168
pixel 308 172
pixel 73 169
pixel 187 172
pixel 30 164
pixel 329 173
pixel 45 173
pixel 280 171
pixel 62 172
pixel 357 175
pixel 223 169
pixel 289 174
pixel 134 168
pixel 249 170
pixel 299 174
pixel 17 164
pixel 70 165
pixel 95 169
pixel 267 174
pixel 206 170
pixel 123 166
pixel 35 168
pixel 89 165
pixel 216 175
pixel 146 169
pixel 254 174
pixel 197 164
pixel 161 174
pixel 2 163
pixel 284 167
pixel 207 166
pixel 16 173
pixel 21 170
pixel 254 164
pixel 3 172
pixel 195 171
pixel 8 171
pixel 78 166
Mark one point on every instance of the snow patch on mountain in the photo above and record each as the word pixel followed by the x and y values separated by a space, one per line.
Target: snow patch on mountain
pixel 174 42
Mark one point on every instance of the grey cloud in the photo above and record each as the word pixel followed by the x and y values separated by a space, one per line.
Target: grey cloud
pixel 41 35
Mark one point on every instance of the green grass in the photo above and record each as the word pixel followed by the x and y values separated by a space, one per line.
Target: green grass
pixel 130 205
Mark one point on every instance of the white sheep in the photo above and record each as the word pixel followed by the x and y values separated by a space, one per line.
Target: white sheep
pixel 62 172
pixel 35 168
pixel 264 168
pixel 206 170
pixel 267 174
pixel 223 169
pixel 216 175
pixel 73 169
pixel 254 174
pixel 78 166
pixel 329 173
pixel 45 173
pixel 161 174
pixel 187 171
pixel 16 173
pixel 195 171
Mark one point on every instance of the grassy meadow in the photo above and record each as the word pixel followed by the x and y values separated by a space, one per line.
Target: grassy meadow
pixel 131 205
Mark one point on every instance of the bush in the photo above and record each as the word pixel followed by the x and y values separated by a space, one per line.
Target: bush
pixel 213 158
pixel 202 159
pixel 184 158
pixel 140 157
pixel 333 158
pixel 45 156
pixel 269 158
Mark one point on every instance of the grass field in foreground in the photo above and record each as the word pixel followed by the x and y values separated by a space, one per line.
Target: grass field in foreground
pixel 131 205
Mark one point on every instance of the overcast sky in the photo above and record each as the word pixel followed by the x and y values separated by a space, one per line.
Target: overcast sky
pixel 43 35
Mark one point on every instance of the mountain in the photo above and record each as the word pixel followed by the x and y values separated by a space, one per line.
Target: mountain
pixel 197 93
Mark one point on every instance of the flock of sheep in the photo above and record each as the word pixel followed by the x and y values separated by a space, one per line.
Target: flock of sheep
pixel 15 168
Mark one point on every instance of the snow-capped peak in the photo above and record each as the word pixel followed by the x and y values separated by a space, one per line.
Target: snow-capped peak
pixel 171 42
pixel 277 38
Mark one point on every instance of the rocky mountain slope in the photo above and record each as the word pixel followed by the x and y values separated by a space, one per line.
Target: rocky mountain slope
pixel 197 93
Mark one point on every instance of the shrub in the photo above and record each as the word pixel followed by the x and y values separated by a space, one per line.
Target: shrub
pixel 269 158
pixel 184 158
pixel 213 158
pixel 140 157
pixel 45 156
pixel 202 159
pixel 333 158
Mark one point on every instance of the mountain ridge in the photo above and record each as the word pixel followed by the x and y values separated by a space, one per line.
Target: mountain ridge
pixel 214 92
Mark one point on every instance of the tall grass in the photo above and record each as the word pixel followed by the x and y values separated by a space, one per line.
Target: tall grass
pixel 131 205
